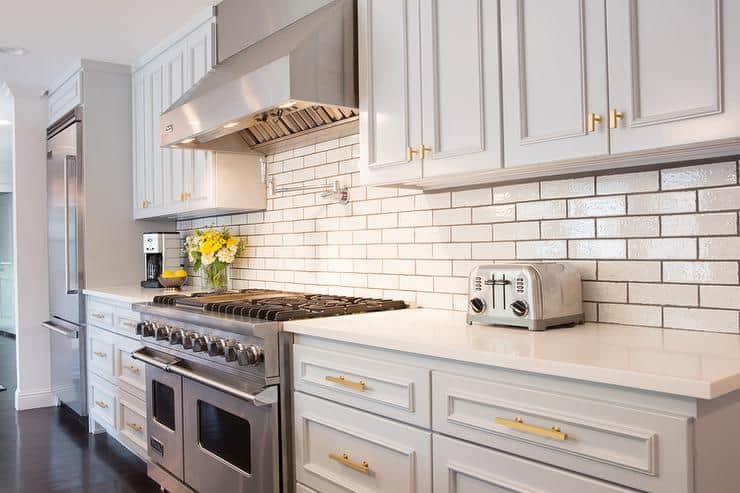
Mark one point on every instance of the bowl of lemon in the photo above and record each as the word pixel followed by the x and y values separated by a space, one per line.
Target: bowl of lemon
pixel 173 279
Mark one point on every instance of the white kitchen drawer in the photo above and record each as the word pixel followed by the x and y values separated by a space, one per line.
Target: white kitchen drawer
pixel 125 321
pixel 102 354
pixel 129 372
pixel 332 442
pixel 132 422
pixel 635 447
pixel 461 467
pixel 397 391
pixel 103 402
pixel 99 314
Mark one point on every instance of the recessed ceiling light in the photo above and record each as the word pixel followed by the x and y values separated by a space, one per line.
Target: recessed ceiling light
pixel 12 50
pixel 188 141
pixel 5 123
pixel 231 125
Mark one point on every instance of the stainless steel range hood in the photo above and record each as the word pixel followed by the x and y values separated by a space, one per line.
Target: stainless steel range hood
pixel 286 70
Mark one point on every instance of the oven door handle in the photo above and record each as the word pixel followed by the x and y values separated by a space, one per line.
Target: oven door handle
pixel 266 397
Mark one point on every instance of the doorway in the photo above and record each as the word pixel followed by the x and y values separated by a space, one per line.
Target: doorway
pixel 7 287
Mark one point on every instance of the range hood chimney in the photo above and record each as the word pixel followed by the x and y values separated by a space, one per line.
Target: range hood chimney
pixel 286 69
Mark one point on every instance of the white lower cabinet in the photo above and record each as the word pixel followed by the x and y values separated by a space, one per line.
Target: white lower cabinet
pixel 116 381
pixel 339 449
pixel 461 467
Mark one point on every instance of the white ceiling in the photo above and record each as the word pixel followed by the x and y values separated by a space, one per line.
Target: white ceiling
pixel 58 33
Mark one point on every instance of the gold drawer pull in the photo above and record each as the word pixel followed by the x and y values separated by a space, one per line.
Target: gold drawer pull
pixel 128 324
pixel 519 425
pixel 101 404
pixel 99 316
pixel 410 151
pixel 100 354
pixel 592 121
pixel 344 459
pixel 614 115
pixel 137 428
pixel 132 368
pixel 346 383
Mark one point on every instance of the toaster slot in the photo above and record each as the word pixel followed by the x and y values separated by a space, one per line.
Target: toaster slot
pixel 500 286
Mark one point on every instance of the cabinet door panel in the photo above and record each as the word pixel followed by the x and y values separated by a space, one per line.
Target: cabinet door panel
pixel 666 71
pixel 553 75
pixel 174 85
pixel 460 86
pixel 139 133
pixel 390 96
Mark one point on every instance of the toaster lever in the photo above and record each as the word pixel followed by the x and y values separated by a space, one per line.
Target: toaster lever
pixel 497 282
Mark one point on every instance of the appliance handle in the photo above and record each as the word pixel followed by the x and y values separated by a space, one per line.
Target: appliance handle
pixel 67 275
pixel 72 333
pixel 267 397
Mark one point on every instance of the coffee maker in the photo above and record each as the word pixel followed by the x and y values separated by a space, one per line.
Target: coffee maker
pixel 162 251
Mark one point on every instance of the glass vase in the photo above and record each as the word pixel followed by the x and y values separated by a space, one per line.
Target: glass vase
pixel 216 277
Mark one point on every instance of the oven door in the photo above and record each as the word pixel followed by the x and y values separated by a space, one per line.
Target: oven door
pixel 230 444
pixel 164 419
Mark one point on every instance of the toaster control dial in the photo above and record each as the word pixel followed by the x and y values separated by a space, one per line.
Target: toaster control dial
pixel 478 305
pixel 519 308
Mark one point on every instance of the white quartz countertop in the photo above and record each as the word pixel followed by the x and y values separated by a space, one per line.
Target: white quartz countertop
pixel 688 363
pixel 131 293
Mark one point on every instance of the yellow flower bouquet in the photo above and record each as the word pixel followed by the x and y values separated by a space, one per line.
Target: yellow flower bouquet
pixel 213 251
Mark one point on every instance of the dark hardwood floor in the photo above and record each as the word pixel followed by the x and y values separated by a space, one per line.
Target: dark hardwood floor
pixel 48 450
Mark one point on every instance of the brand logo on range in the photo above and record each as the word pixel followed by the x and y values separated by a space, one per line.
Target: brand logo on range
pixel 168 129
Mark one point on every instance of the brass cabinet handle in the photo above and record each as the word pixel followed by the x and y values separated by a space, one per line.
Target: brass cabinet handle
pixel 344 459
pixel 519 425
pixel 410 151
pixel 614 115
pixel 346 383
pixel 592 120
pixel 99 316
pixel 130 325
pixel 100 354
pixel 145 204
pixel 133 369
pixel 136 427
pixel 423 150
pixel 101 404
pixel 184 196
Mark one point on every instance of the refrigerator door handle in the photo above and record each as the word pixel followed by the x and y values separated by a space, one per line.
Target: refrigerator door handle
pixel 68 160
pixel 49 324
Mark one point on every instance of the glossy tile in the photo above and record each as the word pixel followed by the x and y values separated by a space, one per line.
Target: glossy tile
pixel 516 193
pixel 467 198
pixel 627 227
pixel 720 248
pixel 720 296
pixel 571 187
pixel 663 294
pixel 627 183
pixel 605 291
pixel 630 314
pixel 701 319
pixel 567 228
pixel 718 199
pixel 701 272
pixel 597 206
pixel 721 223
pixel 494 214
pixel 543 249
pixel 498 250
pixel 630 270
pixel 705 175
pixel 661 203
pixel 597 249
pixel 662 248
pixel 551 209
pixel 516 231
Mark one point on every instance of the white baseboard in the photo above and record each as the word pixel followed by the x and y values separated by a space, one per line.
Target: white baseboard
pixel 34 399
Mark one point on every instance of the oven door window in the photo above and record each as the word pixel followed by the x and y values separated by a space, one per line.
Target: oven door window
pixel 225 435
pixel 163 400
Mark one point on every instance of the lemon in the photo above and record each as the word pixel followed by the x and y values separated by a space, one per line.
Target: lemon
pixel 181 273
pixel 167 274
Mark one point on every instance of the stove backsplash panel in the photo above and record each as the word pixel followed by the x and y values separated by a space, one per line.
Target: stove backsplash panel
pixel 656 248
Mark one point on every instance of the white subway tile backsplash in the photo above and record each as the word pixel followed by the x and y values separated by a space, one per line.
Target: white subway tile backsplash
pixel 644 253
pixel 551 209
pixel 707 175
pixel 570 187
pixel 719 199
pixel 709 224
pixel 627 183
pixel 701 319
pixel 627 227
pixel 516 193
pixel 662 248
pixel 597 206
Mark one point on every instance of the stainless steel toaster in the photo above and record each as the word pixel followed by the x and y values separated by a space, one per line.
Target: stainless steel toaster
pixel 536 296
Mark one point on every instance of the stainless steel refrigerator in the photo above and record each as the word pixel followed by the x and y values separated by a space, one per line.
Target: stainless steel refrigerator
pixel 65 200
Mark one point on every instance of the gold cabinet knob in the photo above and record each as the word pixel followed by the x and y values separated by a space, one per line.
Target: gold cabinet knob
pixel 423 150
pixel 184 196
pixel 410 152
pixel 145 204
pixel 592 120
pixel 614 115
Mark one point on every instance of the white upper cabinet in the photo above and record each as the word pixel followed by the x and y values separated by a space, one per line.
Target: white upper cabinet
pixel 674 72
pixel 174 84
pixel 460 86
pixel 553 76
pixel 390 89
pixel 429 90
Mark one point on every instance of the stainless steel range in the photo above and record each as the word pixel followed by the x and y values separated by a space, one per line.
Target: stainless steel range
pixel 218 385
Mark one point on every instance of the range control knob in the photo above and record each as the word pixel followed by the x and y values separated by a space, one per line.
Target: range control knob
pixel 216 347
pixel 163 332
pixel 520 308
pixel 200 344
pixel 478 305
pixel 177 336
pixel 231 351
pixel 148 329
pixel 140 328
pixel 188 340
pixel 250 355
